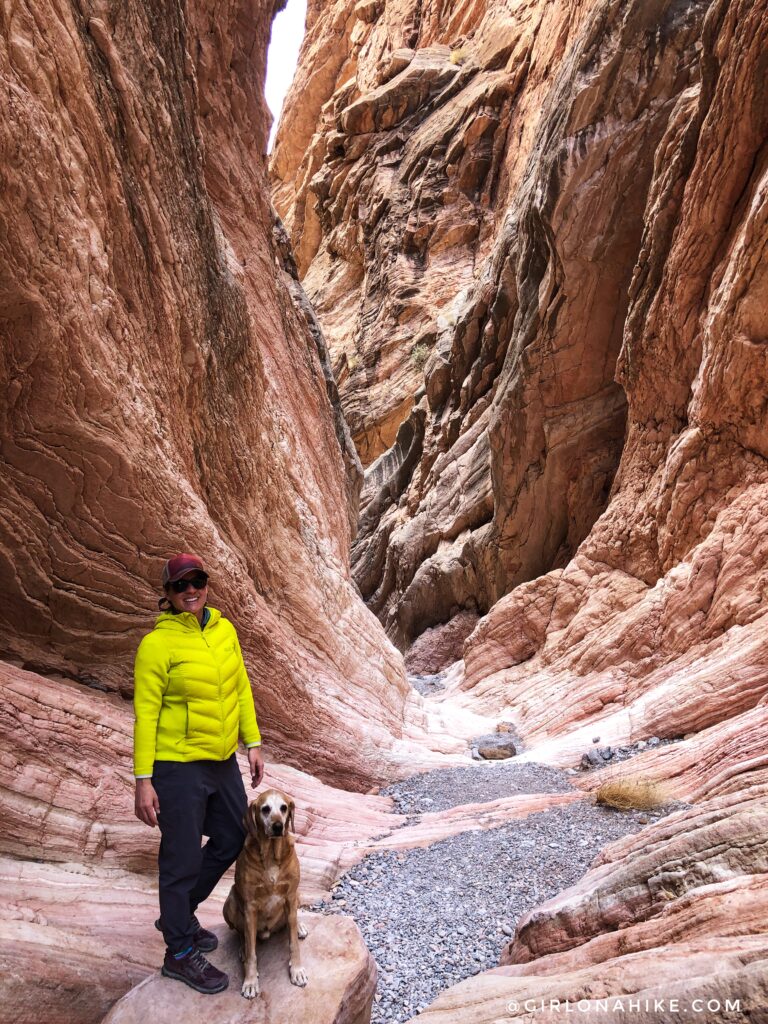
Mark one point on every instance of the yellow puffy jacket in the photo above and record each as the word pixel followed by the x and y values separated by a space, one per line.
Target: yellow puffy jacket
pixel 191 693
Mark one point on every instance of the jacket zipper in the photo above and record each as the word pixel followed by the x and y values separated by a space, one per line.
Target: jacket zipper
pixel 221 702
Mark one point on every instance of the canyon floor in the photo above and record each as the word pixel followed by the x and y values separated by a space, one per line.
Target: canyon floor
pixel 471 872
pixel 474 885
pixel 435 915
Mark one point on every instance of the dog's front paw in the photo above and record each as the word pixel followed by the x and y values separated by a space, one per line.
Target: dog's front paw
pixel 250 989
pixel 302 931
pixel 298 976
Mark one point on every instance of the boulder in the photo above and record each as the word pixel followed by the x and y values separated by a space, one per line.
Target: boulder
pixel 367 10
pixel 591 759
pixel 495 747
pixel 341 972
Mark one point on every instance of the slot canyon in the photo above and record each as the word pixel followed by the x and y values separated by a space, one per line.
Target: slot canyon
pixel 461 392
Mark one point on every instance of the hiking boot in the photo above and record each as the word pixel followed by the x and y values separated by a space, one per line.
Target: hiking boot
pixel 194 970
pixel 202 939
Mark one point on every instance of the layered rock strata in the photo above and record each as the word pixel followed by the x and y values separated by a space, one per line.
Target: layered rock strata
pixel 667 924
pixel 74 938
pixel 641 876
pixel 553 205
pixel 722 759
pixel 716 981
pixel 440 646
pixel 452 229
pixel 165 388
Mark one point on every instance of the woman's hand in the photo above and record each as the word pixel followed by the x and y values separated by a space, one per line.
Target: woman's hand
pixel 147 805
pixel 256 764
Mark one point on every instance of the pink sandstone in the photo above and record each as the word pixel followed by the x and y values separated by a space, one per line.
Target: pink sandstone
pixel 342 981
pixel 166 387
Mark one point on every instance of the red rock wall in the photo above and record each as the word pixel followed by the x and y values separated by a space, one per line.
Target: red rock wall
pixel 658 625
pixel 585 456
pixel 164 388
pixel 479 202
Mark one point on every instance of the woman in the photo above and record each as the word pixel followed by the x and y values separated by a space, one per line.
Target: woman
pixel 192 700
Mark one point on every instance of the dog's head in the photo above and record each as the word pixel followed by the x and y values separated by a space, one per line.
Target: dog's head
pixel 270 815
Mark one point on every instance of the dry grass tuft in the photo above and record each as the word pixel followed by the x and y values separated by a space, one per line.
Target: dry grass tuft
pixel 459 56
pixel 420 354
pixel 630 794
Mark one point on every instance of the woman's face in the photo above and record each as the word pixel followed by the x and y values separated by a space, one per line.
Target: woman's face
pixel 192 599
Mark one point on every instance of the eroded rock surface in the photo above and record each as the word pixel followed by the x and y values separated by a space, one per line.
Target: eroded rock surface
pixel 535 201
pixel 341 971
pixel 440 646
pixel 618 256
pixel 722 759
pixel 638 877
pixel 534 234
pixel 74 937
pixel 467 215
pixel 671 917
pixel 164 386
pixel 643 986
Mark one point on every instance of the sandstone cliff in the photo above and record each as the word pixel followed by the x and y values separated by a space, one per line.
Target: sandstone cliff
pixel 165 386
pixel 534 234
pixel 659 622
pixel 537 226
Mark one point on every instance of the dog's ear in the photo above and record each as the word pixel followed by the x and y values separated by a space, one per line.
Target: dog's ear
pixel 251 820
pixel 290 827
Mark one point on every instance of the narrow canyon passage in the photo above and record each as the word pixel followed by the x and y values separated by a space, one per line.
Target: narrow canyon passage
pixel 460 395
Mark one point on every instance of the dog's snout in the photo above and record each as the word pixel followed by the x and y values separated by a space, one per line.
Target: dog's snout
pixel 277 828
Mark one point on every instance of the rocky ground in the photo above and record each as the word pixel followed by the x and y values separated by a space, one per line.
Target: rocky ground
pixel 428 684
pixel 451 787
pixel 599 757
pixel 434 916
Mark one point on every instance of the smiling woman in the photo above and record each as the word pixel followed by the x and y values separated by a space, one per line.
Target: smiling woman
pixel 193 703
pixel 188 594
pixel 284 45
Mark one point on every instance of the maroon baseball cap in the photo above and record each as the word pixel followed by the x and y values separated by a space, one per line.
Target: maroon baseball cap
pixel 179 566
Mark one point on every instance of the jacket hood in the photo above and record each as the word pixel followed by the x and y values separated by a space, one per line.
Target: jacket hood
pixel 185 620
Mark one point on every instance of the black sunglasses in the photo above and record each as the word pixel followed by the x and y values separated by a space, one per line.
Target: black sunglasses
pixel 198 581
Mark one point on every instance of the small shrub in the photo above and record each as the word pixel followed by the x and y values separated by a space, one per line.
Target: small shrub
pixel 632 794
pixel 420 354
pixel 459 56
pixel 353 362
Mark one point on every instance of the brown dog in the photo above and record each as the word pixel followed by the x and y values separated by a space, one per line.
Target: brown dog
pixel 265 896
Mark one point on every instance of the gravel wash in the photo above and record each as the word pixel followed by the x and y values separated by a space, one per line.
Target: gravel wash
pixel 434 916
pixel 481 783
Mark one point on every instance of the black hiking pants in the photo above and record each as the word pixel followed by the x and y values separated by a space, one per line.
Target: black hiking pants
pixel 197 798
